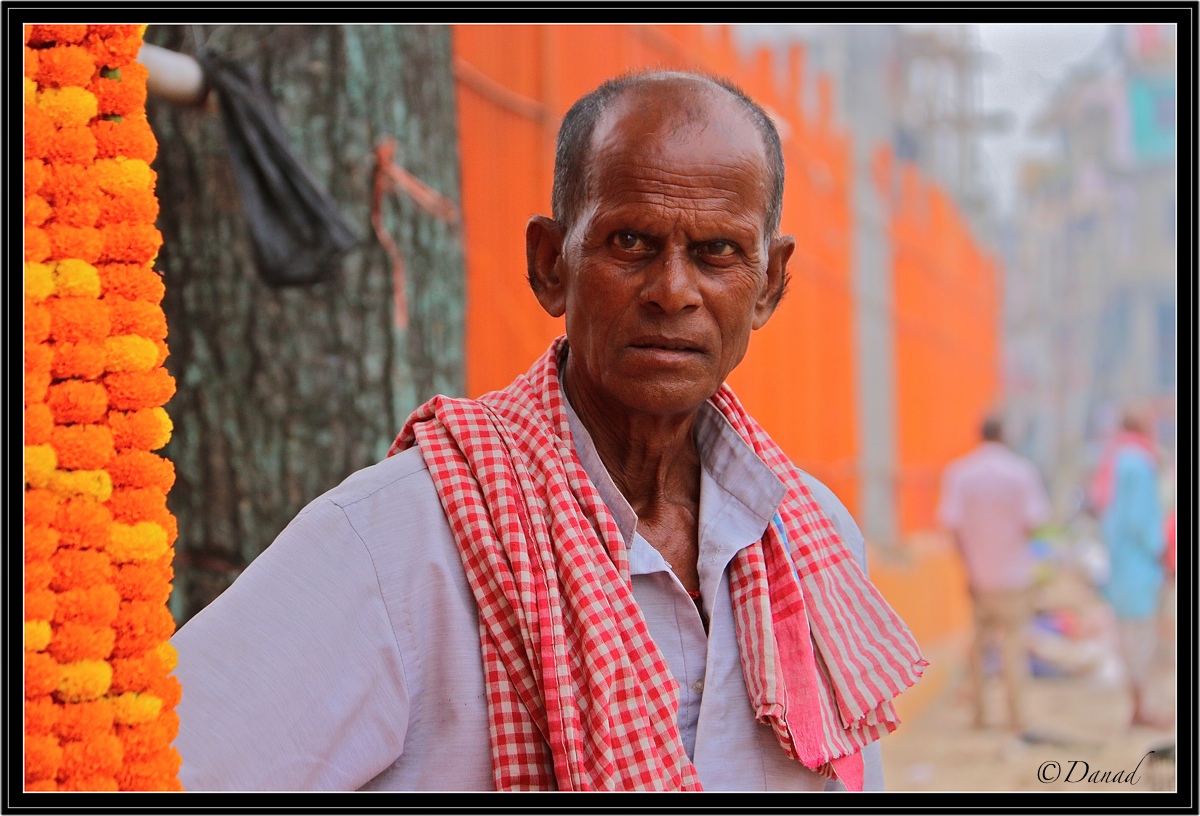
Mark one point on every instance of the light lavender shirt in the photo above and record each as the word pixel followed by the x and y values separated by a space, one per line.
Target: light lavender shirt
pixel 346 656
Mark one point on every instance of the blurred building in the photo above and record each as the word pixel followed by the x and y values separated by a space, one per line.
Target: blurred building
pixel 914 92
pixel 1091 298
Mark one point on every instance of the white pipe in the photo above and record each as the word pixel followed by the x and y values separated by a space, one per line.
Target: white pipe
pixel 174 77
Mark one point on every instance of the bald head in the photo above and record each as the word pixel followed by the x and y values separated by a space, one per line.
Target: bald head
pixel 689 100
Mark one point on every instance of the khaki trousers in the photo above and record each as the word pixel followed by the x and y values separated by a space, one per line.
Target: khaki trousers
pixel 1002 618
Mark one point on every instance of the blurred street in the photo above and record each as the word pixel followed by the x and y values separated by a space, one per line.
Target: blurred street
pixel 1077 704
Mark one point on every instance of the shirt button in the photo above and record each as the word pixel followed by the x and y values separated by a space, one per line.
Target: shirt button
pixel 698 686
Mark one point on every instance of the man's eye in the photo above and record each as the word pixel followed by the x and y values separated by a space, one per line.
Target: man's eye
pixel 719 249
pixel 628 241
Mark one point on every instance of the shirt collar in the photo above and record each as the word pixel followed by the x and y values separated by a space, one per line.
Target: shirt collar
pixel 730 462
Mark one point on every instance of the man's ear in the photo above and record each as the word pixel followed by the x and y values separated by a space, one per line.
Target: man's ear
pixel 778 256
pixel 543 257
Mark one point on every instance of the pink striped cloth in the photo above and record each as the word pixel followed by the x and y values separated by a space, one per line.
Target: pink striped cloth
pixel 579 697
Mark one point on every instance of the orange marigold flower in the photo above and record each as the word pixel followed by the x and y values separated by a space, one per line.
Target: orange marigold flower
pixel 133 673
pixel 138 317
pixel 76 319
pixel 95 782
pixel 79 721
pixel 130 242
pixel 64 65
pixel 35 174
pixel 37 244
pixel 68 106
pixel 41 785
pixel 138 207
pixel 75 641
pixel 83 447
pixel 163 352
pixel 133 390
pixel 122 96
pixel 131 137
pixel 41 715
pixel 88 606
pixel 131 282
pixel 38 356
pixel 83 523
pixel 84 360
pixel 36 211
pixel 38 423
pixel 42 674
pixel 143 582
pixel 31 62
pixel 138 468
pixel 73 143
pixel 37 321
pixel 39 133
pixel 147 429
pixel 166 687
pixel 38 575
pixel 40 604
pixel 85 243
pixel 41 506
pixel 40 542
pixel 147 740
pixel 133 504
pixel 80 569
pixel 56 34
pixel 99 755
pixel 66 184
pixel 141 626
pixel 43 755
pixel 77 401
pixel 157 774
pixel 115 46
pixel 78 212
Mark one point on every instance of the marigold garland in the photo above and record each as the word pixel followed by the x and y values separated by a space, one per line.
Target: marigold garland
pixel 99 695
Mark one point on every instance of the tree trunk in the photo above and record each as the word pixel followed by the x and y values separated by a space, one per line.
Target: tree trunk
pixel 282 393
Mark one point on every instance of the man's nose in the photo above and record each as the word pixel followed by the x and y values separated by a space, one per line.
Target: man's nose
pixel 671 282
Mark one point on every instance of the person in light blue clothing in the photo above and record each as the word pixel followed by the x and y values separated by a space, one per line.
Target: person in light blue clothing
pixel 1132 527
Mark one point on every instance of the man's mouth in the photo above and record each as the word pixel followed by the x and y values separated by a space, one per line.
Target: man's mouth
pixel 665 344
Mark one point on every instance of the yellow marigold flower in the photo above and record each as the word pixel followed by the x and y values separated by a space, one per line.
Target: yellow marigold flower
pixel 167 654
pixel 68 106
pixel 129 352
pixel 39 281
pixel 37 635
pixel 31 89
pixel 96 483
pixel 76 278
pixel 121 175
pixel 84 680
pixel 143 541
pixel 40 464
pixel 132 708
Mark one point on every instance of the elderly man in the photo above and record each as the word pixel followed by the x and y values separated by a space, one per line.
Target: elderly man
pixel 604 577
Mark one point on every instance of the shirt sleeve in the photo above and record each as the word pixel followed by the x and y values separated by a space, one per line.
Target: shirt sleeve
pixel 949 513
pixel 291 678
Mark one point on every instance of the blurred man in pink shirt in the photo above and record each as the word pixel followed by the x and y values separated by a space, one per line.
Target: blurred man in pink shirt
pixel 992 500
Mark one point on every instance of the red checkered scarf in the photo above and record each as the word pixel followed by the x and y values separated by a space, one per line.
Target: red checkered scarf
pixel 579 697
